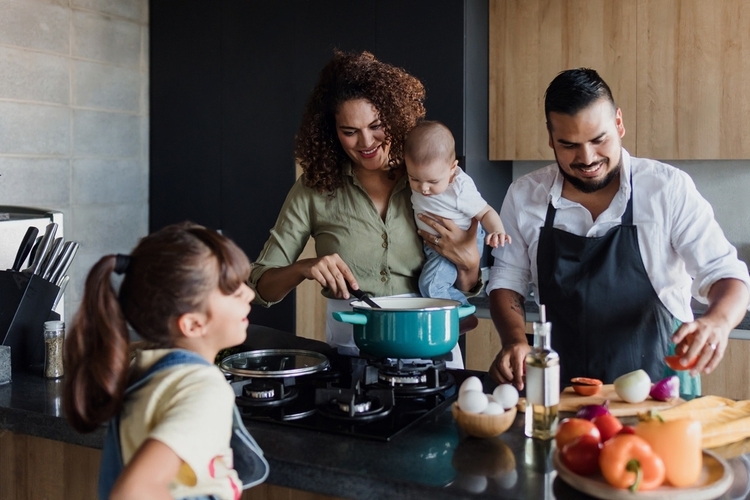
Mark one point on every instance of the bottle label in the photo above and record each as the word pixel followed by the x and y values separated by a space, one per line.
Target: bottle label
pixel 543 385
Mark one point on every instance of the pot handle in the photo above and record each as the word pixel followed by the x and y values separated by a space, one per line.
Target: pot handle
pixel 351 317
pixel 464 310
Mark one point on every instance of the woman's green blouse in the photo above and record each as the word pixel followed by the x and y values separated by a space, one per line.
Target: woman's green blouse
pixel 385 256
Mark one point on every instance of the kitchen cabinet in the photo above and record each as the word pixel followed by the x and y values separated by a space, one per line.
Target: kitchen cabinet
pixel 35 467
pixel 730 377
pixel 531 41
pixel 678 70
pixel 693 69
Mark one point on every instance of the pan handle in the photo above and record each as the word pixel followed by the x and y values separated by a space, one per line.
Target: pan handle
pixel 350 317
pixel 465 310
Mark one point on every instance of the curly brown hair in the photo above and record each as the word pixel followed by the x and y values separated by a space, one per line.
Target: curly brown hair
pixel 397 96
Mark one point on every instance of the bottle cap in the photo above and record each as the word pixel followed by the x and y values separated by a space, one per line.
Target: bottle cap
pixel 54 325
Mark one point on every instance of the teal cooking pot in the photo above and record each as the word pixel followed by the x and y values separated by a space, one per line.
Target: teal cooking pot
pixel 405 327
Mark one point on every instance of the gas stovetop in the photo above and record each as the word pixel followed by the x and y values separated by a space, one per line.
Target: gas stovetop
pixel 375 399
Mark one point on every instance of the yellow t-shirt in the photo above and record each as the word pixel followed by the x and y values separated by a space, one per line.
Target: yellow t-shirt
pixel 189 408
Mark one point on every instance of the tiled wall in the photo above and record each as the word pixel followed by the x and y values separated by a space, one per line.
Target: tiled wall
pixel 724 183
pixel 74 120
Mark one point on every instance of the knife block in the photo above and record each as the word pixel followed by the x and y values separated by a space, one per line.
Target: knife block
pixel 25 304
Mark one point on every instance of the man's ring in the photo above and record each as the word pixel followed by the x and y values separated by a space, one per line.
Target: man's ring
pixel 712 346
pixel 437 240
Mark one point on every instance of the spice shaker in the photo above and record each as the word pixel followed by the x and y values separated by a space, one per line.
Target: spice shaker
pixel 54 336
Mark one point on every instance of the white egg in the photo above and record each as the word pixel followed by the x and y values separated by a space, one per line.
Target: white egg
pixel 471 384
pixel 506 396
pixel 471 483
pixel 493 409
pixel 472 401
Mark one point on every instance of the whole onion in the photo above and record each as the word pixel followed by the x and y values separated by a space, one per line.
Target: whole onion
pixel 666 389
pixel 588 412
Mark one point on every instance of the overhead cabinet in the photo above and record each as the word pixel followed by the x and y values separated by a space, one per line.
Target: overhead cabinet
pixel 677 68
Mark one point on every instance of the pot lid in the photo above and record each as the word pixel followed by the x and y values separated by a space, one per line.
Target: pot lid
pixel 274 363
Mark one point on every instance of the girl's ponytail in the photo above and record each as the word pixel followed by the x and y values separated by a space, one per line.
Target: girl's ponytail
pixel 96 353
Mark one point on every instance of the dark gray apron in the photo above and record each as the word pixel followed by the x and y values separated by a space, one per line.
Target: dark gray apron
pixel 607 320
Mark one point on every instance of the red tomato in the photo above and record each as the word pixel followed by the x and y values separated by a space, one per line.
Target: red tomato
pixel 674 362
pixel 582 455
pixel 627 429
pixel 571 428
pixel 608 426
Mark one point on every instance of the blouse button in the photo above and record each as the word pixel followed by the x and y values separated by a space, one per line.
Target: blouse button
pixel 385 236
pixel 383 279
pixel 385 244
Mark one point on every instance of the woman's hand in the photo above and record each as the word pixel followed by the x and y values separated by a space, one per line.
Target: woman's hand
pixel 330 271
pixel 456 245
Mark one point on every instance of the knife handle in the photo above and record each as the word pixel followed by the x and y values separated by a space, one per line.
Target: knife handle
pixel 50 257
pixel 65 260
pixel 26 243
pixel 49 235
pixel 56 271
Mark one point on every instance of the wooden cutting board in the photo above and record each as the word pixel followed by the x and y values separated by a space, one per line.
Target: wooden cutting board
pixel 570 401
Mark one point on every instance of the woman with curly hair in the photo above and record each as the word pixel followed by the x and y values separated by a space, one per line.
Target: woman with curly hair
pixel 354 199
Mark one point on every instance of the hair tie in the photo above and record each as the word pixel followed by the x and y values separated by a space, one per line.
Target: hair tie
pixel 122 262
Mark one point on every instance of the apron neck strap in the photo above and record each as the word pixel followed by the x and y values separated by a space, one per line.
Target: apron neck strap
pixel 627 217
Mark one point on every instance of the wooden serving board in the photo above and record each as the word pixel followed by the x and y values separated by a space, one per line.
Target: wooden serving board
pixel 570 401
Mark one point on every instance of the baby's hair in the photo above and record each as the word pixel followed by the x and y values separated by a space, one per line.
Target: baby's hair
pixel 430 141
pixel 169 273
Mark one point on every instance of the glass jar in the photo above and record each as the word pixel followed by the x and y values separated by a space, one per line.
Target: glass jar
pixel 54 337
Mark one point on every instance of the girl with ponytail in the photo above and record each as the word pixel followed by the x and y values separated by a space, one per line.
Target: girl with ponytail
pixel 174 431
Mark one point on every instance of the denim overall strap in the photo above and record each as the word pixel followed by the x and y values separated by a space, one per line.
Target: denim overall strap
pixel 111 462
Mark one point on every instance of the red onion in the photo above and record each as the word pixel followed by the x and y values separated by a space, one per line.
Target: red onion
pixel 588 412
pixel 666 389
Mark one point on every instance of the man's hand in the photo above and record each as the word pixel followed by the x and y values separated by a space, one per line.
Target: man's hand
pixel 509 364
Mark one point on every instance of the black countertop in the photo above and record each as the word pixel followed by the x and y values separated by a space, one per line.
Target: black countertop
pixel 433 459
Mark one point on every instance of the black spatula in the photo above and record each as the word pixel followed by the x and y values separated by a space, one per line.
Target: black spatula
pixel 363 297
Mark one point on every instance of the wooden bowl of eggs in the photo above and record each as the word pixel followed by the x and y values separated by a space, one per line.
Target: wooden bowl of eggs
pixel 485 415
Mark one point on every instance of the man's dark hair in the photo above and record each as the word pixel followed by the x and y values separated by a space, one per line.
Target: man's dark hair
pixel 573 90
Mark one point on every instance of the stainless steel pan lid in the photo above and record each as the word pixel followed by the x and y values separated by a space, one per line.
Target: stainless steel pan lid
pixel 274 363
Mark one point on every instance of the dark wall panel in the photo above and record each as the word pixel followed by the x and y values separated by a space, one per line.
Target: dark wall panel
pixel 426 37
pixel 185 126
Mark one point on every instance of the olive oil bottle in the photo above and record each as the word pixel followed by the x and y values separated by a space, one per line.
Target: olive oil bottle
pixel 542 382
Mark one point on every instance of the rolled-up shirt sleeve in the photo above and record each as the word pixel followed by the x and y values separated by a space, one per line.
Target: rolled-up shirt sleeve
pixel 698 239
pixel 288 237
pixel 512 264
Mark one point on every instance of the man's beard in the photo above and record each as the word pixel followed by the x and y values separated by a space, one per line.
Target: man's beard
pixel 591 186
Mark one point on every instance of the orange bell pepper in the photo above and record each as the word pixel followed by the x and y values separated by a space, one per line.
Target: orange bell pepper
pixel 627 461
pixel 678 443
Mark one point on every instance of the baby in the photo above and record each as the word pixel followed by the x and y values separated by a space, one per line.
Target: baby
pixel 440 187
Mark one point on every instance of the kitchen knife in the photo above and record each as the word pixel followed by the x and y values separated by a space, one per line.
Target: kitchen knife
pixel 23 250
pixel 49 236
pixel 54 251
pixel 56 278
pixel 56 271
pixel 63 283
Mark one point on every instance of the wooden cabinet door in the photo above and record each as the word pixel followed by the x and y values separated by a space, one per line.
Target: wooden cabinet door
pixel 693 69
pixel 531 41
